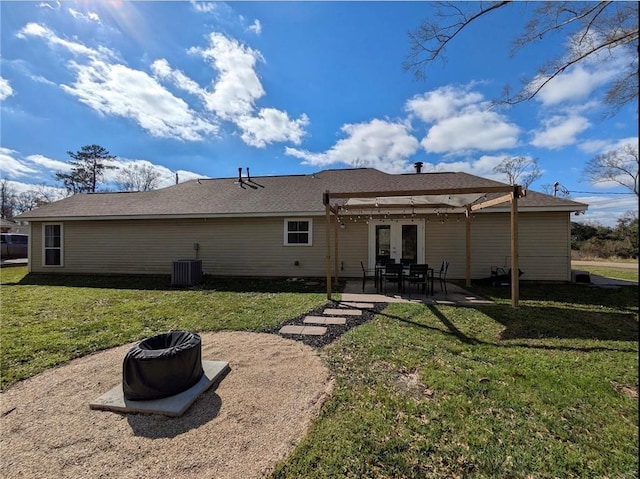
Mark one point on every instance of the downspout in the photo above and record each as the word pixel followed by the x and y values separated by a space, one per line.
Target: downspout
pixel 325 200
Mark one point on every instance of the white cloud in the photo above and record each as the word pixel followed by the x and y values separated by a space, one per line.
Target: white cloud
pixel 575 85
pixel 482 166
pixel 271 125
pixel 377 144
pixel 471 129
pixel 602 146
pixel 237 87
pixel 461 122
pixel 13 167
pixel 559 131
pixel 204 7
pixel 441 103
pixel 89 17
pixel 5 89
pixel 78 49
pixel 605 210
pixel 121 91
pixel 162 70
pixel 256 27
pixel 42 161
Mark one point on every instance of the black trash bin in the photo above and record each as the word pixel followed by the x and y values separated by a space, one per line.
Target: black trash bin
pixel 162 365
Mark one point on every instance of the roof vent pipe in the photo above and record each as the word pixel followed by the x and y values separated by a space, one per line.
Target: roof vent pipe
pixel 240 175
pixel 418 166
pixel 248 175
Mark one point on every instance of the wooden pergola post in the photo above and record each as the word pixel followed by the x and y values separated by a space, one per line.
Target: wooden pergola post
pixel 335 251
pixel 468 245
pixel 515 271
pixel 327 208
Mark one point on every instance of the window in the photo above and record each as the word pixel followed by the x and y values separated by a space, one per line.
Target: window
pixel 52 245
pixel 298 232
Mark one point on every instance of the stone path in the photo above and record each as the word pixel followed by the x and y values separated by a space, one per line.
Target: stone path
pixel 330 316
pixel 326 324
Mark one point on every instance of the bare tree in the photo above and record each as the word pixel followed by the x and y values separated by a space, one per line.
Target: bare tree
pixel 594 30
pixel 618 166
pixel 36 197
pixel 519 170
pixel 88 165
pixel 7 200
pixel 138 177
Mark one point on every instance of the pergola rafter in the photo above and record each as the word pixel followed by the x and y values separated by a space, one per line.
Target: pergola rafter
pixel 467 199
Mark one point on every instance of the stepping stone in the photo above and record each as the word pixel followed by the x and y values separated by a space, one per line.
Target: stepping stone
pixel 308 330
pixel 324 320
pixel 357 305
pixel 343 312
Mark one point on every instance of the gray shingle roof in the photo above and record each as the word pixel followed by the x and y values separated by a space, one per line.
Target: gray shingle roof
pixel 265 195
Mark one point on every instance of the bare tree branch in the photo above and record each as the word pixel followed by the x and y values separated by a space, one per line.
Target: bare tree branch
pixel 591 28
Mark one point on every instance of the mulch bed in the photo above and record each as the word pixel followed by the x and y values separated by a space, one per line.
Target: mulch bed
pixel 334 331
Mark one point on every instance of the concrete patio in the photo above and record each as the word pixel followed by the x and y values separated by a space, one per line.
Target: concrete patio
pixel 455 295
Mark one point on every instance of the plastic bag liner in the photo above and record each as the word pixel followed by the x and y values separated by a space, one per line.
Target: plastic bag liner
pixel 162 365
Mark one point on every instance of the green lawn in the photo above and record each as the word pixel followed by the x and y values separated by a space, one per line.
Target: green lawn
pixel 608 272
pixel 546 390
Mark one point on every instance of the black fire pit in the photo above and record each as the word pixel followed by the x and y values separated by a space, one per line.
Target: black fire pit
pixel 162 366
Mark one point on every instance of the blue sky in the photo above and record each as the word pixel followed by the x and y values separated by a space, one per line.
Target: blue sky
pixel 201 88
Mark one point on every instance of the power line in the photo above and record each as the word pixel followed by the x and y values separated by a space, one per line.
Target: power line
pixel 599 193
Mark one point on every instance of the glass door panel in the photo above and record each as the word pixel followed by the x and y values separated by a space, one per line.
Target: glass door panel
pixel 402 241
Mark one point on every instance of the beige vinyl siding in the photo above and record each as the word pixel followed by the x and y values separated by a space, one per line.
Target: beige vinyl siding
pixel 544 245
pixel 353 244
pixel 255 246
pixel 234 247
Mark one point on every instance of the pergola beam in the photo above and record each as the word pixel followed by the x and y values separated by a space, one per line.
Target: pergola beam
pixel 434 192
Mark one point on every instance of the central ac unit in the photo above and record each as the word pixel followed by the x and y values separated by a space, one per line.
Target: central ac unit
pixel 186 272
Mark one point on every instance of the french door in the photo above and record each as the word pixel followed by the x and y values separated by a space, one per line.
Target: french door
pixel 400 240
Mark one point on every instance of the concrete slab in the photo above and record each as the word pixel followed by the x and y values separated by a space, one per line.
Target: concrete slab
pixel 356 305
pixel 173 406
pixel 342 312
pixel 324 320
pixel 309 330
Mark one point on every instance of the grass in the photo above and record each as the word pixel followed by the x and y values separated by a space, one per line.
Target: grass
pixel 547 390
pixel 47 320
pixel 609 272
pixel 422 391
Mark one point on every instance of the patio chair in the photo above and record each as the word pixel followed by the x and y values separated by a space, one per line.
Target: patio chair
pixel 442 276
pixel 419 276
pixel 392 274
pixel 368 273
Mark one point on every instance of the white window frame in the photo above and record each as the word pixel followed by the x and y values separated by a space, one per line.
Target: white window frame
pixel 298 220
pixel 45 248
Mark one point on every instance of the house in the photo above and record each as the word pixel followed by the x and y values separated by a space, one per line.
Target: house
pixel 308 226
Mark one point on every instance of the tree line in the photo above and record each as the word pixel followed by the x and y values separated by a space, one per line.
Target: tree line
pixel 596 241
pixel 86 173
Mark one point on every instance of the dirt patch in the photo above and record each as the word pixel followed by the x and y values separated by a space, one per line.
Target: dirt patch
pixel 254 418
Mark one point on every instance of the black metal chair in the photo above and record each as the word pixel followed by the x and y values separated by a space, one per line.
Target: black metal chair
pixel 419 276
pixel 392 274
pixel 368 273
pixel 442 276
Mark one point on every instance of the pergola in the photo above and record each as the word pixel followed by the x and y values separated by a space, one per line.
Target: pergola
pixel 465 200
